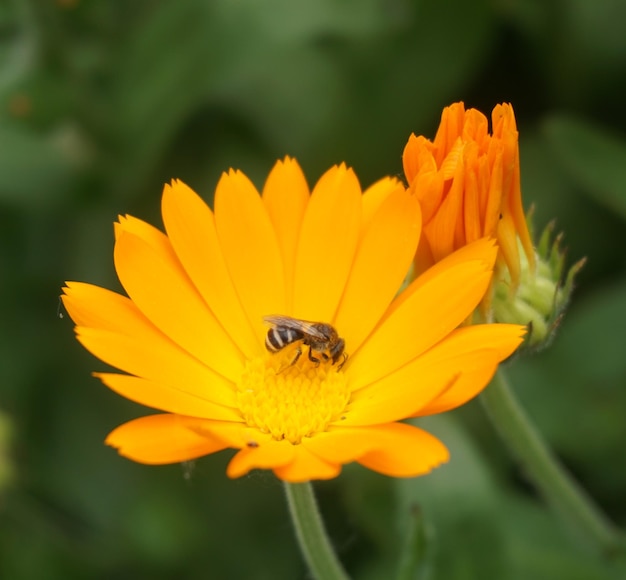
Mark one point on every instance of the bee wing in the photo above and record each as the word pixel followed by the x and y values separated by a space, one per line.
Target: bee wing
pixel 304 326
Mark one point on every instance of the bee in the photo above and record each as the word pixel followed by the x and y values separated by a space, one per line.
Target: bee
pixel 322 339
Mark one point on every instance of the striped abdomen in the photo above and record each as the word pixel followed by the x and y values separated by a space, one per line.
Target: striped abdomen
pixel 279 337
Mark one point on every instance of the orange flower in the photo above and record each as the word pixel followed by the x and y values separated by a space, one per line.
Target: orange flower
pixel 191 333
pixel 468 183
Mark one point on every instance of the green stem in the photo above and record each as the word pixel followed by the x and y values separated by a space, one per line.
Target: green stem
pixel 314 542
pixel 556 485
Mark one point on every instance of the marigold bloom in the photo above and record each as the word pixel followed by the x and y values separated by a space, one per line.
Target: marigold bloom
pixel 468 182
pixel 192 339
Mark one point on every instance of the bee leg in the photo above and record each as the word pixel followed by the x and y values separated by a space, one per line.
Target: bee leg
pixel 313 359
pixel 293 362
pixel 343 362
pixel 338 351
pixel 295 359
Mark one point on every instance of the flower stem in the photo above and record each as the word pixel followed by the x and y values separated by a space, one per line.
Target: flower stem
pixel 311 534
pixel 552 480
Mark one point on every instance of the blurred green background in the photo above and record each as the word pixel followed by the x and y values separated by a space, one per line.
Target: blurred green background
pixel 102 101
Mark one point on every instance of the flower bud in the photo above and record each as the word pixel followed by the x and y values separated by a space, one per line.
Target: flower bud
pixel 541 294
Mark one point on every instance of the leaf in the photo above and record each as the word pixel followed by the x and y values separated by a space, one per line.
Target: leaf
pixel 593 157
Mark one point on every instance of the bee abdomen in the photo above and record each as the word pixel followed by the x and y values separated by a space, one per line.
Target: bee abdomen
pixel 279 337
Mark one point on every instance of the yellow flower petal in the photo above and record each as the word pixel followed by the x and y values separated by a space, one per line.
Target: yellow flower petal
pixel 267 455
pixel 493 192
pixel 173 399
pixel 90 305
pixel 411 387
pixel 483 250
pixel 160 439
pixel 393 448
pixel 286 195
pixel 327 245
pixel 452 120
pixel 503 339
pixel 380 265
pixel 499 339
pixel 157 359
pixel 404 451
pixel 148 233
pixel 429 313
pixel 132 344
pixel 153 280
pixel 505 128
pixel 250 249
pixel 374 196
pixel 306 466
pixel 456 369
pixel 342 444
pixel 441 230
pixel 234 434
pixel 475 377
pixel 190 226
pixel 472 215
pixel 507 240
pixel 411 157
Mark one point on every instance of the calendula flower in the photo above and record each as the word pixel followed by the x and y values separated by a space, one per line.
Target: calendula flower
pixel 468 182
pixel 191 335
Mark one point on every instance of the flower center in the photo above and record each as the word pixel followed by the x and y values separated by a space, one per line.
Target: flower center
pixel 291 401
